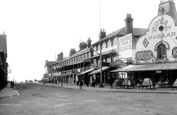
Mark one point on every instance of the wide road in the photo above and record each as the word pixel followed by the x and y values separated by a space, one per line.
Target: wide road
pixel 38 99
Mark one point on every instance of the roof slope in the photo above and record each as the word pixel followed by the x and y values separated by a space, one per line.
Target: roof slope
pixel 121 32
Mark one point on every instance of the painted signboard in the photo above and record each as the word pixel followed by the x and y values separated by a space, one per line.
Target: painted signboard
pixel 125 46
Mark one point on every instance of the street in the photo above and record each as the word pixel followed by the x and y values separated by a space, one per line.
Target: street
pixel 38 99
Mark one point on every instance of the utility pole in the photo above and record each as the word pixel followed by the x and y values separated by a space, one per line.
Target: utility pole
pixel 101 77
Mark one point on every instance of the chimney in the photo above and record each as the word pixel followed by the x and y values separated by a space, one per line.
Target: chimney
pixel 102 33
pixel 60 56
pixel 82 45
pixel 72 51
pixel 89 42
pixel 129 24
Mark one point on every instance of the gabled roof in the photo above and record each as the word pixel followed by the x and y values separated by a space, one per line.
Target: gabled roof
pixel 122 32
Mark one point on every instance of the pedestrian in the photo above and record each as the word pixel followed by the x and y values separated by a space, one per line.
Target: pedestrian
pixel 93 82
pixel 81 83
pixel 11 84
pixel 77 82
pixel 111 82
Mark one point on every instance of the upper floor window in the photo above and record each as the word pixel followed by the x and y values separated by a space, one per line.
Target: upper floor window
pixel 96 47
pixel 112 42
pixel 88 55
pixel 106 44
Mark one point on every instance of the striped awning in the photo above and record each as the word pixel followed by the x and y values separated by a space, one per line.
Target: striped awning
pixel 87 71
pixel 148 67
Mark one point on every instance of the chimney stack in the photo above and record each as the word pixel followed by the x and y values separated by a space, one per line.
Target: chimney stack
pixel 89 42
pixel 129 24
pixel 72 51
pixel 82 45
pixel 102 33
pixel 60 56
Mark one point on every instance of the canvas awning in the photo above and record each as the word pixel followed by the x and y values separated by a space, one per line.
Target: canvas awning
pixel 148 67
pixel 87 71
pixel 97 71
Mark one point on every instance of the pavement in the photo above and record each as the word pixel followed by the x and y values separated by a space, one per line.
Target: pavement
pixel 8 92
pixel 124 90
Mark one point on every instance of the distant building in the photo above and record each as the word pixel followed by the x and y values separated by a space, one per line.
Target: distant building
pixel 3 43
pixel 48 69
pixel 3 63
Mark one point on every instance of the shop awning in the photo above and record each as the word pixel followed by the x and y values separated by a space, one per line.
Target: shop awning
pixel 105 53
pixel 97 71
pixel 148 67
pixel 67 74
pixel 87 71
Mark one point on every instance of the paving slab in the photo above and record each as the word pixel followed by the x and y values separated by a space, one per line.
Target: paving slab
pixel 8 92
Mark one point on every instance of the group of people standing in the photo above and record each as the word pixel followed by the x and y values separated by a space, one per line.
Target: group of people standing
pixel 81 81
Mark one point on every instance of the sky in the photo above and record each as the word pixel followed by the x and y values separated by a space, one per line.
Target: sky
pixel 38 30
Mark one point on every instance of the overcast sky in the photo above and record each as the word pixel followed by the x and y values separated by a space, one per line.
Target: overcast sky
pixel 37 30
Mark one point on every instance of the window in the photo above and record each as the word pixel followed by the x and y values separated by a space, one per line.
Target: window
pixel 106 44
pixel 96 47
pixel 112 43
pixel 88 55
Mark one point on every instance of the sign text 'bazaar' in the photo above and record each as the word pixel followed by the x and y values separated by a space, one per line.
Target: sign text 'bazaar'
pixel 163 35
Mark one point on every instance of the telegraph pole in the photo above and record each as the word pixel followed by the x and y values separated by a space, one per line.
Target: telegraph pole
pixel 101 77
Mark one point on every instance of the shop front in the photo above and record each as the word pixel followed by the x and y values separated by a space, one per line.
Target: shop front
pixel 163 74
